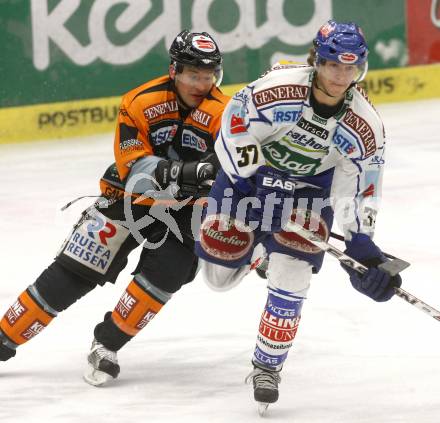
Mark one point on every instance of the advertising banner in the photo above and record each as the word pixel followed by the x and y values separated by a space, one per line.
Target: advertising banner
pixel 60 50
pixel 423 21
pixel 91 116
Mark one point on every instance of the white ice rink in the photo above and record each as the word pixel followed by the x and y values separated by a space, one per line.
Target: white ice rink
pixel 353 361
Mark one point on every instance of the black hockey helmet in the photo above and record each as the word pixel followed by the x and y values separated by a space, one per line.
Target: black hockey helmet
pixel 197 49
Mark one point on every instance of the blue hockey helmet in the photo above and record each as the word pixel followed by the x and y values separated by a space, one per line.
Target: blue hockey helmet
pixel 341 42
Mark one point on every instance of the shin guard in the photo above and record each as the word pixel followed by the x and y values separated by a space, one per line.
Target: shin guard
pixel 26 318
pixel 277 330
pixel 139 303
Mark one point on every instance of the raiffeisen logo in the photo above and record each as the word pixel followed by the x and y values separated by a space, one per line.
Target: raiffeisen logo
pixel 104 229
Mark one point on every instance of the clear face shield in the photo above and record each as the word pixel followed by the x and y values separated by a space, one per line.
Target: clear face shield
pixel 200 77
pixel 340 72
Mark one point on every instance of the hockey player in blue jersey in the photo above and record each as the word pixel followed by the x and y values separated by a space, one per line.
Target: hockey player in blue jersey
pixel 303 142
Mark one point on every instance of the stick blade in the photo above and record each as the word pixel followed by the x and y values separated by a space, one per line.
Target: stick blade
pixel 393 267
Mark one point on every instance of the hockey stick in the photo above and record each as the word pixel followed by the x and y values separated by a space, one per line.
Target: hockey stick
pixel 393 267
pixel 114 192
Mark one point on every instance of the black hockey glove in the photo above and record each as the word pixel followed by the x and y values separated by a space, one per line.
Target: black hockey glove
pixel 375 283
pixel 188 178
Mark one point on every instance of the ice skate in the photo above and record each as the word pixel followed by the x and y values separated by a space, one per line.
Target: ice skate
pixel 103 365
pixel 265 387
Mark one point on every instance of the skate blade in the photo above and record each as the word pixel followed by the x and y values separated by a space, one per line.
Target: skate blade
pixel 96 377
pixel 262 408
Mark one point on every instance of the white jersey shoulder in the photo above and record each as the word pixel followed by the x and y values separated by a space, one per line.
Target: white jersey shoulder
pixel 258 114
pixel 361 125
pixel 286 76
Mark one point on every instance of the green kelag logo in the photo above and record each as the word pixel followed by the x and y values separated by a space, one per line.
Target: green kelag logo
pixel 284 158
pixel 122 32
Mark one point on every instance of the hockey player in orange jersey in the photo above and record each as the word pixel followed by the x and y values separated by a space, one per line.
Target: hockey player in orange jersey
pixel 164 145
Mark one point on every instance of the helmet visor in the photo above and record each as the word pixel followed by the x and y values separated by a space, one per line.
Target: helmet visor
pixel 343 73
pixel 200 77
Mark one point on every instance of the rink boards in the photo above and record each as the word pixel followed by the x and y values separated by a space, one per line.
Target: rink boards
pixel 94 116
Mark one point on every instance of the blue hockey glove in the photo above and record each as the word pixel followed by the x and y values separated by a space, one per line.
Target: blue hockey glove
pixel 375 283
pixel 272 188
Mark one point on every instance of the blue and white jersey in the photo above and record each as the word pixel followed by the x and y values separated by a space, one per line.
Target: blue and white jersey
pixel 271 122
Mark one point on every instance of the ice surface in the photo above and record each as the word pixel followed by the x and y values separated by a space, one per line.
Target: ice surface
pixel 353 360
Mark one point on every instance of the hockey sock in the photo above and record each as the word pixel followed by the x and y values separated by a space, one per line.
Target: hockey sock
pixel 26 318
pixel 139 303
pixel 277 330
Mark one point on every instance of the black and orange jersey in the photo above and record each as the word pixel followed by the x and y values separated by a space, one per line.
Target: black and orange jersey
pixel 149 123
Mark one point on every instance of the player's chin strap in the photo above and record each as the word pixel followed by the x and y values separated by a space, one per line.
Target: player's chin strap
pixel 393 267
pixel 316 85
